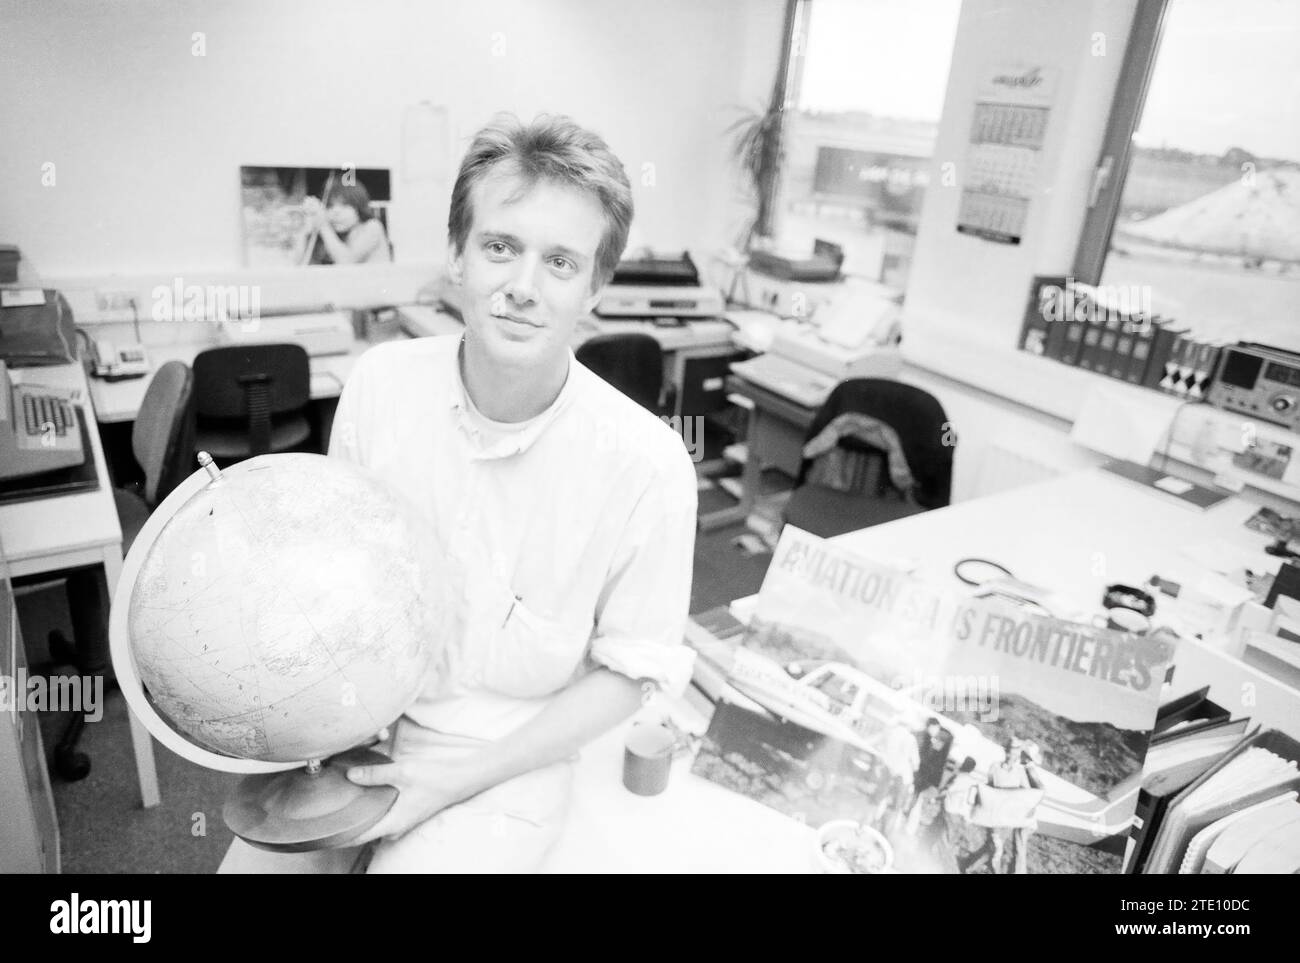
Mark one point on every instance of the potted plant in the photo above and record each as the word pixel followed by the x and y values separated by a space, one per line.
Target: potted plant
pixel 756 149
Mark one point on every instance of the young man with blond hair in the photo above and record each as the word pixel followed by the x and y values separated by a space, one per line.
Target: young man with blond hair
pixel 566 511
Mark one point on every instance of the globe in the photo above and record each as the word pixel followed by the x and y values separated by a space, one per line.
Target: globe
pixel 278 612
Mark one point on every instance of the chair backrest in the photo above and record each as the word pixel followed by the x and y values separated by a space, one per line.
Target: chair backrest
pixel 916 417
pixel 162 436
pixel 251 383
pixel 633 363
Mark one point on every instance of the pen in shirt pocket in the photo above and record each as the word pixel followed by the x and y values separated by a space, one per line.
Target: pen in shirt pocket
pixel 511 611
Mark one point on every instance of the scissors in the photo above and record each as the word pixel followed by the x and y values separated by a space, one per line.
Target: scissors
pixel 993 580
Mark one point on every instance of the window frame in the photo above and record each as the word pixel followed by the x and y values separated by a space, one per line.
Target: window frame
pixel 1110 173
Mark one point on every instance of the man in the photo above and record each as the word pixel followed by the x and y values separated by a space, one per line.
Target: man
pixel 933 744
pixel 567 511
pixel 899 753
pixel 1018 769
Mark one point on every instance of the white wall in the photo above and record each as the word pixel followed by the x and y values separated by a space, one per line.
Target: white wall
pixel 966 296
pixel 147 139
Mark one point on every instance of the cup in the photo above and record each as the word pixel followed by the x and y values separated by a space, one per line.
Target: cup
pixel 648 758
pixel 1127 620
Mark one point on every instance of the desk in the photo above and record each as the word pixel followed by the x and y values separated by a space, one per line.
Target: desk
pixel 679 343
pixel 773 439
pixel 1080 532
pixel 119 401
pixel 1076 533
pixel 48 535
pixel 694 826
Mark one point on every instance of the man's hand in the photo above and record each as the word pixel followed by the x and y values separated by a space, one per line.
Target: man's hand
pixel 424 788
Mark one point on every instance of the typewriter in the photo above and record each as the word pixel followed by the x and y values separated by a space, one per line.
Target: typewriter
pixel 39 429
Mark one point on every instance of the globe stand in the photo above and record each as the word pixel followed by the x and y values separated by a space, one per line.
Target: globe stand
pixel 302 810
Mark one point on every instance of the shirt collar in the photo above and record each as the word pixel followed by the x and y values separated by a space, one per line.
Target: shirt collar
pixel 517 442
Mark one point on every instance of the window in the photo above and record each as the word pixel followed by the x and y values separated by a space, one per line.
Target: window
pixel 1204 215
pixel 840 691
pixel 865 92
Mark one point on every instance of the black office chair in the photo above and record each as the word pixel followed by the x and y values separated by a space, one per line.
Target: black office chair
pixel 162 440
pixel 251 400
pixel 876 451
pixel 632 362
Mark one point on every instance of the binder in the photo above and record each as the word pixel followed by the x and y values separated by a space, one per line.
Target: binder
pixel 1195 706
pixel 1090 346
pixel 1043 329
pixel 1193 713
pixel 1037 321
pixel 1107 347
pixel 1167 851
pixel 1162 345
pixel 1152 805
pixel 1072 347
pixel 1204 367
pixel 1140 355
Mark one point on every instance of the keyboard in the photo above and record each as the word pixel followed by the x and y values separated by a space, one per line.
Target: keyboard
pixel 799 383
pixel 45 416
pixel 40 430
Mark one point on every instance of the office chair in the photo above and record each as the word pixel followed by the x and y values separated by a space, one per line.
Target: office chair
pixel 876 451
pixel 162 440
pixel 632 362
pixel 251 400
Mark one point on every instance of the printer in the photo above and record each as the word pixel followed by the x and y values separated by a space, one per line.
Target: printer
pixel 854 336
pixel 320 333
pixel 657 286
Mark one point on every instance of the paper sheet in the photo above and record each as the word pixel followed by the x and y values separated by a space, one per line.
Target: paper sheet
pixel 1123 424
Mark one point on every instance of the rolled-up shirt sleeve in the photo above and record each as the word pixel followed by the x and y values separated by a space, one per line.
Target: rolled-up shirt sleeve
pixel 641 613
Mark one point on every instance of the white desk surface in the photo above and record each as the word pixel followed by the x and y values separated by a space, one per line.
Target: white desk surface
pixel 46 534
pixel 693 826
pixel 1075 534
pixel 117 401
pixel 1080 532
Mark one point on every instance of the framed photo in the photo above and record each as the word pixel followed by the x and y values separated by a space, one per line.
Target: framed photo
pixel 278 229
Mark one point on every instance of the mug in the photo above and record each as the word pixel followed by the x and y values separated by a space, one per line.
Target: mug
pixel 1127 620
pixel 648 757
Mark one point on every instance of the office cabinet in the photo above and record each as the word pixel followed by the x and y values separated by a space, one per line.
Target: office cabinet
pixel 29 830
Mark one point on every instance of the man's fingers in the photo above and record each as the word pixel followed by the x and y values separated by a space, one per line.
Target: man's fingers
pixel 388 774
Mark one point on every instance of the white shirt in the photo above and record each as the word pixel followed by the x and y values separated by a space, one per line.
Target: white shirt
pixel 570 537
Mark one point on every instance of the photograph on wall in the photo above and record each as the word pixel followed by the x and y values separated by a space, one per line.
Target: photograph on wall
pixel 296 216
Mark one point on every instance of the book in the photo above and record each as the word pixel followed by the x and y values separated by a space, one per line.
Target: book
pixel 1160 371
pixel 1261 766
pixel 973 734
pixel 1229 839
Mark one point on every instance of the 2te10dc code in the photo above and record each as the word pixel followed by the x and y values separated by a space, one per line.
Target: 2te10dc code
pixel 1220 905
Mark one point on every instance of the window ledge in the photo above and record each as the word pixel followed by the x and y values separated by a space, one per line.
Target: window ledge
pixel 947 347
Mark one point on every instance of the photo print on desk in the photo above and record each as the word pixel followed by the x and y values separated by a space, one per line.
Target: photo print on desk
pixel 278 228
pixel 973 736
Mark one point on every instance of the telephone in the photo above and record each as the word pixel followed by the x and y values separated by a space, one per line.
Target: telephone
pixel 39 429
pixel 115 363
